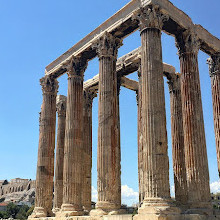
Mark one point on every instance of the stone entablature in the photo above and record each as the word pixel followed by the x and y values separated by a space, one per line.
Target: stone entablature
pixel 126 65
pixel 178 20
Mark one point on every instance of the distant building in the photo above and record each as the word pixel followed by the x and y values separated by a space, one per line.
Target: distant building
pixel 19 180
pixel 3 206
pixel 17 190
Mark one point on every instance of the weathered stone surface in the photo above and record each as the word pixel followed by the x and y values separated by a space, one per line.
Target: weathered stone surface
pixel 58 182
pixel 178 151
pixel 193 123
pixel 89 95
pixel 214 70
pixel 153 115
pixel 45 163
pixel 155 157
pixel 72 173
pixel 108 166
pixel 140 140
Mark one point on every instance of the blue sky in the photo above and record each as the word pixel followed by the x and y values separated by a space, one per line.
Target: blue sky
pixel 34 33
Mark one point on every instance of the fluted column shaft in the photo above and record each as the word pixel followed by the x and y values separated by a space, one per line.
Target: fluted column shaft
pixel 45 163
pixel 109 187
pixel 140 140
pixel 72 174
pixel 58 182
pixel 155 157
pixel 214 70
pixel 87 150
pixel 178 151
pixel 193 123
pixel 118 149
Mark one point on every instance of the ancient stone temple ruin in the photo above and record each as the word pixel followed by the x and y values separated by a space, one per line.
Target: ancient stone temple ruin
pixel 72 176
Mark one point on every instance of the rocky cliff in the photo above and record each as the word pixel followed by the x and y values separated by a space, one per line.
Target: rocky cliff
pixel 20 191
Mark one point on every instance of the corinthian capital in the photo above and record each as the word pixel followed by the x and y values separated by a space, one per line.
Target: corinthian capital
pixel 107 45
pixel 49 84
pixel 76 66
pixel 150 17
pixel 61 105
pixel 89 95
pixel 187 42
pixel 214 65
pixel 174 83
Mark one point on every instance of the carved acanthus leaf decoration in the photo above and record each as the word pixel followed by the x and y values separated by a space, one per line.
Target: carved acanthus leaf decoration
pixel 89 95
pixel 76 66
pixel 107 45
pixel 174 83
pixel 214 65
pixel 150 17
pixel 61 107
pixel 187 42
pixel 49 84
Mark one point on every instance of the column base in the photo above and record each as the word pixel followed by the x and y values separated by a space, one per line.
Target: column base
pixel 68 210
pixel 200 209
pixel 38 212
pixel 86 210
pixel 158 206
pixel 200 217
pixel 101 212
pixel 97 212
pixel 55 210
pixel 107 208
pixel 174 217
pixel 136 217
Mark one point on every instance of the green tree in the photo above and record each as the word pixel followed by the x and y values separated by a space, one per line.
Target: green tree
pixel 12 210
pixel 17 212
pixel 22 214
pixel 31 209
pixel 1 214
pixel 4 214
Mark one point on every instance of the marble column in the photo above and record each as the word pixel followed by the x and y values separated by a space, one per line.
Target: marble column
pixel 89 95
pixel 214 70
pixel 178 151
pixel 140 139
pixel 108 166
pixel 118 149
pixel 45 163
pixel 157 200
pixel 72 173
pixel 193 123
pixel 58 182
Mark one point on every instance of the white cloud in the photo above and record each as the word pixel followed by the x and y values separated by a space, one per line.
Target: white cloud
pixel 129 196
pixel 94 194
pixel 172 191
pixel 215 187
